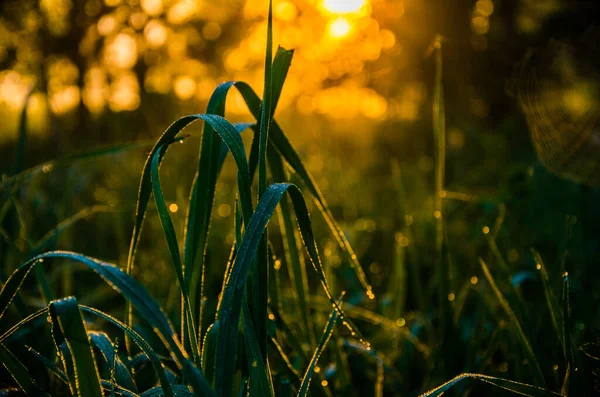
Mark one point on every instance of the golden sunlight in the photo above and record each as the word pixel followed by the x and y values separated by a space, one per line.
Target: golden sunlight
pixel 343 6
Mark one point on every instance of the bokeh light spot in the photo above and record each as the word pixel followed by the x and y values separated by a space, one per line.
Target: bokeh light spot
pixel 184 87
pixel 339 27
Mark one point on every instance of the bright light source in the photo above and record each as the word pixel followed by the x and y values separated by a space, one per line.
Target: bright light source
pixel 343 6
pixel 339 27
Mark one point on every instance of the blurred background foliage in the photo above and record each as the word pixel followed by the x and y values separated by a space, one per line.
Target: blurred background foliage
pixel 357 104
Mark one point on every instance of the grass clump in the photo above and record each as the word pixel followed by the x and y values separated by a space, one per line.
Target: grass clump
pixel 255 344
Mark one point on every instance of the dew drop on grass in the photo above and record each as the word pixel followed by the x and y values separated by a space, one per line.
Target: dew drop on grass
pixel 254 364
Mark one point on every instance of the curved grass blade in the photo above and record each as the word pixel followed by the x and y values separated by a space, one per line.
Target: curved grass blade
pixel 229 311
pixel 294 259
pixel 333 318
pixel 142 344
pixel 200 205
pixel 509 385
pixel 231 138
pixel 130 288
pixel 68 326
pixel 19 372
pixel 534 365
pixel 285 149
pixel 169 231
pixel 107 349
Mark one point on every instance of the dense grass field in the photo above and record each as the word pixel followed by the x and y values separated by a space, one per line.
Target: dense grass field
pixel 232 275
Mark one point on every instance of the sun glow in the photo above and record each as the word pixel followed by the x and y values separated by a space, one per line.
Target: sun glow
pixel 343 6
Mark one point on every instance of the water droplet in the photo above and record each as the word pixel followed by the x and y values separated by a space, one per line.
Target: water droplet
pixel 565 274
pixel 254 364
pixel 538 266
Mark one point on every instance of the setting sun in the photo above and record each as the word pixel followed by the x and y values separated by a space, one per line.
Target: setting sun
pixel 343 6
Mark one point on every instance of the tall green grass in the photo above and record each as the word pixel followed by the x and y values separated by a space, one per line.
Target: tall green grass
pixel 271 330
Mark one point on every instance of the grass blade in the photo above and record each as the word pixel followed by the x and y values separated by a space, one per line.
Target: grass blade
pixel 333 318
pixel 169 232
pixel 534 365
pixel 126 285
pixel 260 378
pixel 209 352
pixel 70 159
pixel 19 161
pixel 284 147
pixel 68 326
pixel 229 311
pixel 19 373
pixel 142 344
pixel 515 387
pixel 550 301
pixel 107 350
pixel 294 258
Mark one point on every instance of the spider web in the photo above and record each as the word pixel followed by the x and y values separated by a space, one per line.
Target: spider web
pixel 558 90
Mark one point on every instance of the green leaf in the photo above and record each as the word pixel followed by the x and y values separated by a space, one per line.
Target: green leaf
pixel 68 326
